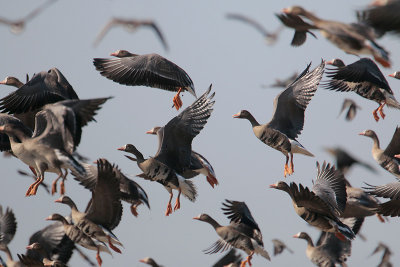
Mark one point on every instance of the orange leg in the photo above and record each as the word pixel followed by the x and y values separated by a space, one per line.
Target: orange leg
pixel 212 180
pixel 98 258
pixel 28 192
pixel 169 206
pixel 380 218
pixel 177 99
pixel 340 236
pixel 133 210
pixel 380 109
pixel 36 186
pixel 178 202
pixel 286 170
pixel 248 260
pixel 374 113
pixel 54 184
pixel 291 169
pixel 33 170
pixel 62 185
pixel 112 246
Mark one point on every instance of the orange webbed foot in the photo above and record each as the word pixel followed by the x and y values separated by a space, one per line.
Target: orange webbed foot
pixel 62 188
pixel 54 187
pixel 98 258
pixel 380 218
pixel 169 209
pixel 286 170
pixel 177 204
pixel 212 180
pixel 177 100
pixel 113 247
pixel 375 114
pixel 133 210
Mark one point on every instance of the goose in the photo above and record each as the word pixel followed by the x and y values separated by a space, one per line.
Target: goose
pixel 299 25
pixel 198 163
pixel 288 116
pixel 26 260
pixel 17 26
pixel 131 25
pixel 150 70
pixel 57 133
pixel 104 210
pixel 79 237
pixel 270 37
pixel 390 190
pixel 231 259
pixel 283 83
pixel 351 38
pixel 8 228
pixel 322 206
pixel 385 261
pixel 279 247
pixel 12 81
pixel 386 158
pixel 242 232
pixel 351 107
pixel 130 191
pixel 365 79
pixel 150 261
pixel 174 155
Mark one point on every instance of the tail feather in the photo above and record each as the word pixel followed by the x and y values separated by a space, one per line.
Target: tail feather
pixel 298 148
pixel 345 230
pixel 260 250
pixel 70 162
pixel 188 188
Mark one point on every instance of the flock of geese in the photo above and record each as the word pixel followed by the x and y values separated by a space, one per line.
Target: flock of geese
pixel 42 121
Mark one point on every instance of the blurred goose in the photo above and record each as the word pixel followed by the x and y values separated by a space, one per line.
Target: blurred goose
pixel 131 25
pixel 344 160
pixel 130 191
pixel 270 37
pixel 284 83
pixel 17 26
pixel 279 247
pixel 57 133
pixel 365 79
pixel 351 107
pixel 104 210
pixel 322 206
pixel 79 237
pixel 385 261
pixel 395 74
pixel 231 259
pixel 383 18
pixel 8 227
pixel 150 70
pixel 351 38
pixel 174 155
pixel 301 27
pixel 242 232
pixel 386 158
pixel 198 163
pixel 288 116
pixel 150 261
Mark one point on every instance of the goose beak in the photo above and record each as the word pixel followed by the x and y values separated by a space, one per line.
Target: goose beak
pixel 397 156
pixel 3 82
pixel 196 218
pixel 150 132
pixel 285 10
pixel 1 128
pixel 114 54
pixel 361 133
pixel 390 75
pixel 237 115
pixel 58 200
pixel 48 218
pixel 272 186
pixel 122 148
pixel 29 247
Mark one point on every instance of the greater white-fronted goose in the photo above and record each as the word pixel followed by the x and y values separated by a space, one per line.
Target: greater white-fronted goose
pixel 79 237
pixel 28 261
pixel 54 244
pixel 344 160
pixel 279 247
pixel 58 130
pixel 360 204
pixel 389 190
pixel 283 83
pixel 131 25
pixel 385 260
pixel 12 81
pixel 383 18
pixel 351 38
pixel 288 116
pixel 395 75
pixel 150 261
pixel 104 210
pixel 322 206
pixel 17 26
pixel 386 158
pixel 150 70
pixel 198 163
pixel 242 232
pixel 230 259
pixel 270 37
pixel 173 158
pixel 155 170
pixel 299 25
pixel 351 107
pixel 365 79
pixel 130 191
pixel 8 227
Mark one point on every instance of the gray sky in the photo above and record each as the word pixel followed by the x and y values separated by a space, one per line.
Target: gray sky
pixel 235 59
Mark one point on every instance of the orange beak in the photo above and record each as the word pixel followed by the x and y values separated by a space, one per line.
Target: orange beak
pixel 391 75
pixel 196 218
pixel 361 133
pixel 272 186
pixel 58 200
pixel 237 115
pixel 48 218
pixel 122 148
pixel 114 54
pixel 285 10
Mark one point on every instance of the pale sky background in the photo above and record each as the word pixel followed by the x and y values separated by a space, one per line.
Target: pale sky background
pixel 235 59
